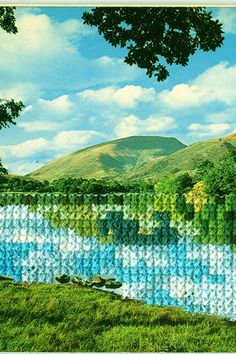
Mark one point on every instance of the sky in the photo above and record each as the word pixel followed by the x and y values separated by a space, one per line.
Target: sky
pixel 78 91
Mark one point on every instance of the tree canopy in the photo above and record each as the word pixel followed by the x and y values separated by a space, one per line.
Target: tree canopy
pixel 221 178
pixel 156 37
pixel 73 185
pixel 7 19
pixel 9 109
pixel 213 178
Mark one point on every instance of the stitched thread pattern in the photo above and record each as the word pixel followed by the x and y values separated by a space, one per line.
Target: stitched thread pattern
pixel 165 249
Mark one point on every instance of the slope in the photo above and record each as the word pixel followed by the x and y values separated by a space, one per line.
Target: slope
pixel 109 160
pixel 185 160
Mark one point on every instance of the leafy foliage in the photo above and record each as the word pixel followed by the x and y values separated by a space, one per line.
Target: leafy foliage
pixel 203 167
pixel 183 183
pixel 179 184
pixel 156 35
pixel 7 19
pixel 72 185
pixel 3 170
pixel 9 109
pixel 221 179
pixel 218 179
pixel 205 218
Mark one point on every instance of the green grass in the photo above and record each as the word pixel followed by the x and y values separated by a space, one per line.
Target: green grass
pixel 135 158
pixel 69 318
pixel 111 159
pixel 184 160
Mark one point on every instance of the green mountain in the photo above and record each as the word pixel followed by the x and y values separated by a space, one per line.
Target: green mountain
pixel 185 160
pixel 111 159
pixel 137 157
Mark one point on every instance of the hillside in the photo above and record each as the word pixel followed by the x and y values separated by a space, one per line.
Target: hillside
pixel 185 160
pixel 111 159
pixel 231 137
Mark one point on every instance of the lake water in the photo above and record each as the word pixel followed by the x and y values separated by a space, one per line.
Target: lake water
pixel 196 277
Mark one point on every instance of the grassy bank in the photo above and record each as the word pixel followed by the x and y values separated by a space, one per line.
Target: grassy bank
pixel 70 318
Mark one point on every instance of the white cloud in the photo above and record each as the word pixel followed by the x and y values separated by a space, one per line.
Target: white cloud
pixel 228 18
pixel 39 126
pixel 73 140
pixel 39 52
pixel 60 105
pixel 216 84
pixel 20 91
pixel 94 110
pixel 182 95
pixel 63 143
pixel 132 125
pixel 27 108
pixel 128 96
pixel 38 38
pixel 22 167
pixel 209 130
pixel 75 27
pixel 110 70
pixel 46 115
pixel 46 52
pixel 228 115
pixel 25 149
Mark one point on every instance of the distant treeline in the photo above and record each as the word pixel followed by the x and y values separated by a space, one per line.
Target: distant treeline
pixel 72 185
pixel 218 179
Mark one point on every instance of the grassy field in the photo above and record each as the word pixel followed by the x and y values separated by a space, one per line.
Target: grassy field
pixel 69 318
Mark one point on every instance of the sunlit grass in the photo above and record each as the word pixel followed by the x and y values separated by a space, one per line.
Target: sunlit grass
pixel 70 318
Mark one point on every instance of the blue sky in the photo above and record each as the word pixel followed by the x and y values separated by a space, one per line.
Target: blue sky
pixel 79 92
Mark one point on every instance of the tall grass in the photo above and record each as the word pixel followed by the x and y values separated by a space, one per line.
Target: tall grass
pixel 68 318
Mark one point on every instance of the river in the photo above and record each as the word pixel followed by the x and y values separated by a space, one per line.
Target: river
pixel 196 277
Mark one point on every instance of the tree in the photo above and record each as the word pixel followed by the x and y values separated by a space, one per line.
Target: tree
pixel 165 184
pixel 179 184
pixel 9 109
pixel 3 170
pixel 202 168
pixel 183 183
pixel 221 179
pixel 157 36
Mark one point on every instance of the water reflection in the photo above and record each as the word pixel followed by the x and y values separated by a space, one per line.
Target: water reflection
pixel 197 277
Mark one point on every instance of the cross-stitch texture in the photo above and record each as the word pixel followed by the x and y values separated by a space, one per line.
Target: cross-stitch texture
pixel 165 249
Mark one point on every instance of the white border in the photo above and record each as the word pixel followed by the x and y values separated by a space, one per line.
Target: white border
pixel 142 3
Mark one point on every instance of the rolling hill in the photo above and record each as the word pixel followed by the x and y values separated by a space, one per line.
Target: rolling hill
pixel 231 137
pixel 111 159
pixel 134 158
pixel 185 160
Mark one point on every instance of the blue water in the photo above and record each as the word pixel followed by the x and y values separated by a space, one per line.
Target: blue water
pixel 198 278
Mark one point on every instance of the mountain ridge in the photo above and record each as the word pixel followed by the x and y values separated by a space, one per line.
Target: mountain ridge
pixel 110 159
pixel 135 157
pixel 185 160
